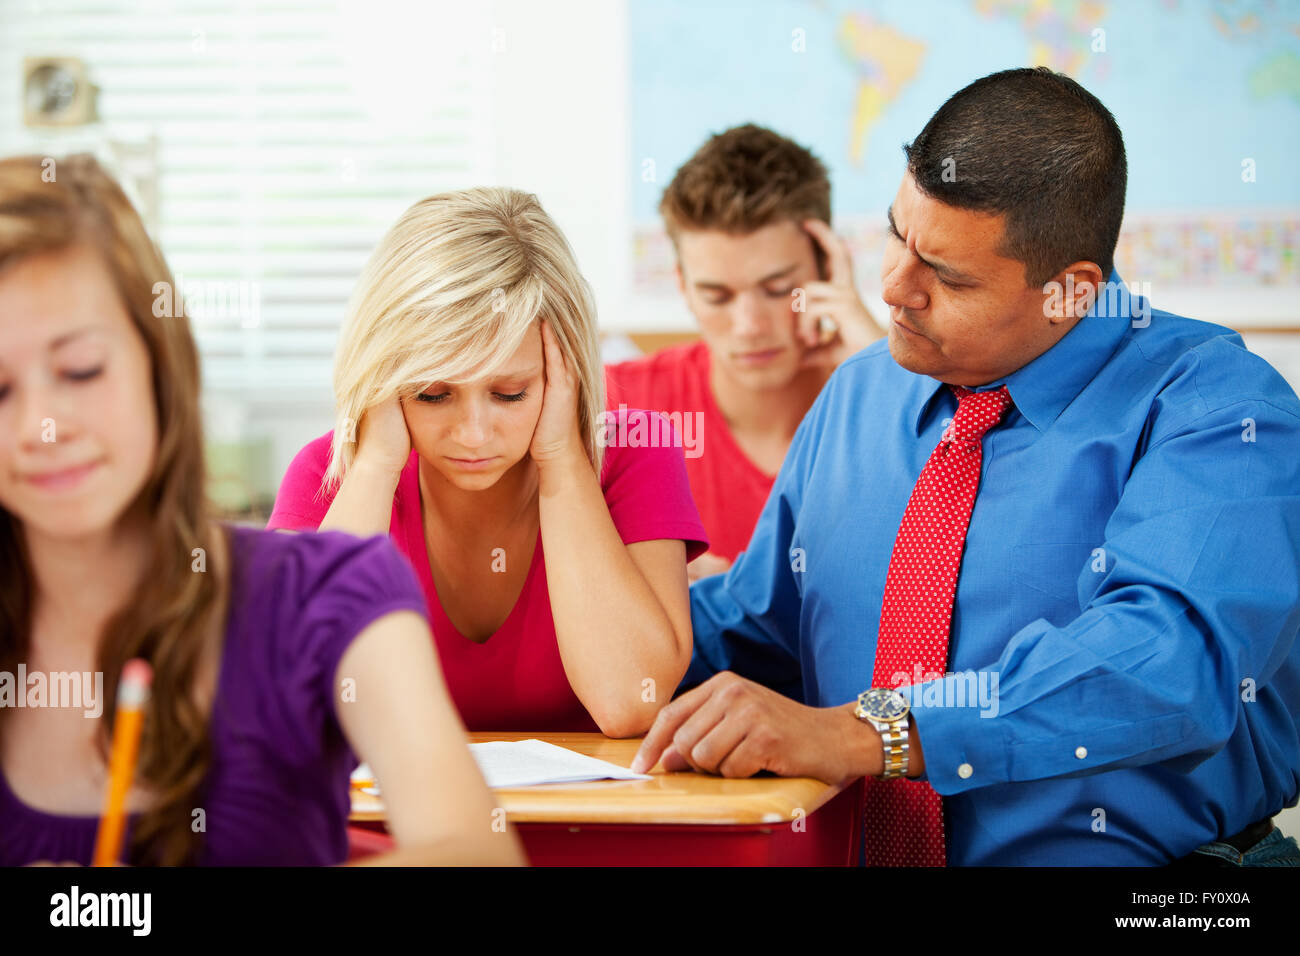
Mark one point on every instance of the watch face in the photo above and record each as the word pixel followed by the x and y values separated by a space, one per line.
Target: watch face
pixel 881 703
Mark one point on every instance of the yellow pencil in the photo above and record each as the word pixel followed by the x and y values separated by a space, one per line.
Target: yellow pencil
pixel 132 695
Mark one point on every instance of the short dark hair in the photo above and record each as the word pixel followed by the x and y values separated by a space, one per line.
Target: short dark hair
pixel 743 179
pixel 1037 147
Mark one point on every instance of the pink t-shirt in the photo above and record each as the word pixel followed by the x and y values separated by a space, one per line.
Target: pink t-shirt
pixel 730 490
pixel 515 680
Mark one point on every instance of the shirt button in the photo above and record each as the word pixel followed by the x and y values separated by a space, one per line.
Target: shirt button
pixel 965 770
pixel 1081 752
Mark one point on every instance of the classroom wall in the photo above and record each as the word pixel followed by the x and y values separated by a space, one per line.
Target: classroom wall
pixel 560 114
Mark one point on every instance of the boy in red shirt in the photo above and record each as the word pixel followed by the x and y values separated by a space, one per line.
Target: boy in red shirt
pixel 772 288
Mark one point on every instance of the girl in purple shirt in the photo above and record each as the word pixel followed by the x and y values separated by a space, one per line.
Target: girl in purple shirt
pixel 278 659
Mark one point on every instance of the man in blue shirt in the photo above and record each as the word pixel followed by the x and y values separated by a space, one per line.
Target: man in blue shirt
pixel 1123 675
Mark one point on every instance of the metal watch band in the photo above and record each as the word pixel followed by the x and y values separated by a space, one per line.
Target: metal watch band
pixel 894 740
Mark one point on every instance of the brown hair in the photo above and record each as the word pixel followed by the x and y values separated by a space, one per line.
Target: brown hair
pixel 48 206
pixel 743 179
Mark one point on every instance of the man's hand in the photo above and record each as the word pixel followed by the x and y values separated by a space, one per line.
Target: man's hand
pixel 735 727
pixel 834 324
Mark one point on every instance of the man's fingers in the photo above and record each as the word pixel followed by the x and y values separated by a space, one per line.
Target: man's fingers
pixel 716 747
pixel 745 758
pixel 673 762
pixel 698 726
pixel 660 735
pixel 666 723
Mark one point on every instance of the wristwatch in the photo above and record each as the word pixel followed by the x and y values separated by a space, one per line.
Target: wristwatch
pixel 887 710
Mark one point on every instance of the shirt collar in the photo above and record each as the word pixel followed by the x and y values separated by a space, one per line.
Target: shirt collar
pixel 1042 389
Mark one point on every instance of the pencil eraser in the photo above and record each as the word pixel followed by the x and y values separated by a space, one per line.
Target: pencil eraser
pixel 133 689
pixel 137 672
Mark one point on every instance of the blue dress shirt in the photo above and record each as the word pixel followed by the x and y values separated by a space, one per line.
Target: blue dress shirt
pixel 1124 675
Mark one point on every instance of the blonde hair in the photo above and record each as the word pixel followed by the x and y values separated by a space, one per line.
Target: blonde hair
pixel 448 296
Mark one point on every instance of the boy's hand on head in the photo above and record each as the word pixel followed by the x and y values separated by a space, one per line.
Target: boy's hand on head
pixel 834 323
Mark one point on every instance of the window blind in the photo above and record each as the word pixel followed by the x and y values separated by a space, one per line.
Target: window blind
pixel 283 138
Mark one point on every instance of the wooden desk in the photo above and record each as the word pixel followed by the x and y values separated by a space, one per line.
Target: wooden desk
pixel 674 819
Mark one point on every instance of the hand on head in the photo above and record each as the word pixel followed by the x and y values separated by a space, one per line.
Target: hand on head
pixel 557 434
pixel 834 323
pixel 383 438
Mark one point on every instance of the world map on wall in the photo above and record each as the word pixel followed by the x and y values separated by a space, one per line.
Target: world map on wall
pixel 1207 95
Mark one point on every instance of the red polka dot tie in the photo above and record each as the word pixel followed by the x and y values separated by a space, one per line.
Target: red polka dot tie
pixel 904 817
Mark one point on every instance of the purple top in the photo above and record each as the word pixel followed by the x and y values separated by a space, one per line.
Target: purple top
pixel 277 790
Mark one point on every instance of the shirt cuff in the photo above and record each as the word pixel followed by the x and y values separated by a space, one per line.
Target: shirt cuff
pixel 955 718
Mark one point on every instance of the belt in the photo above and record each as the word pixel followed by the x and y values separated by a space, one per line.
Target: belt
pixel 1241 842
pixel 1248 837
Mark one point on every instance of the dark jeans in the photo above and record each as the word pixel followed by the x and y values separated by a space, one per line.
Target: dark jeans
pixel 1273 850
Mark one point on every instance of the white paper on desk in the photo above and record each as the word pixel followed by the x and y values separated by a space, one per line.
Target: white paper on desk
pixel 527 763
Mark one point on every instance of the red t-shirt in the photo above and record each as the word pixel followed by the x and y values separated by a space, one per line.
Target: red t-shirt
pixel 515 679
pixel 729 489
